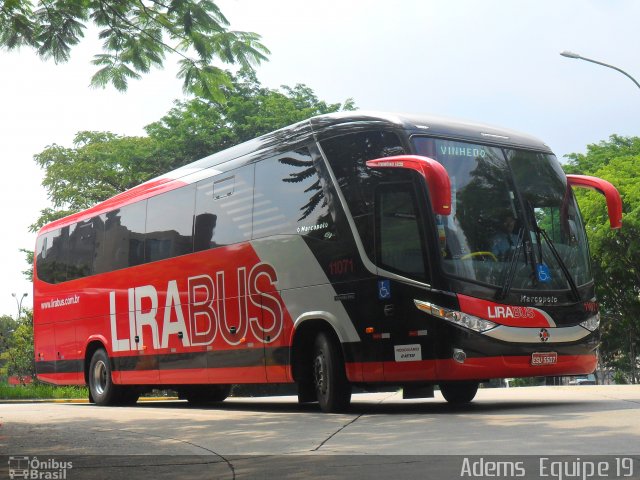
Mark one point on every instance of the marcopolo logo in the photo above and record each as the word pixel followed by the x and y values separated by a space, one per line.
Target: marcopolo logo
pixel 544 335
pixel 34 468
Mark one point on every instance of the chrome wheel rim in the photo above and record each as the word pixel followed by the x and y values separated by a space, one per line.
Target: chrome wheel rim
pixel 100 377
pixel 319 374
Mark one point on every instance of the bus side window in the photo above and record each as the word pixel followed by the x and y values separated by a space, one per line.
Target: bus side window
pixel 50 263
pixel 123 238
pixel 169 224
pixel 81 248
pixel 43 245
pixel 290 197
pixel 223 209
pixel 399 241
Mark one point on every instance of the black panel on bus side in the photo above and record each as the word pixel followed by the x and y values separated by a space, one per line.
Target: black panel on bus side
pixel 347 156
pixel 289 198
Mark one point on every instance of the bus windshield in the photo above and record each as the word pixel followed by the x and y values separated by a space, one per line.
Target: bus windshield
pixel 514 220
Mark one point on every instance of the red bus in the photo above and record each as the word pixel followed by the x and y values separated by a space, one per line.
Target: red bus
pixel 350 249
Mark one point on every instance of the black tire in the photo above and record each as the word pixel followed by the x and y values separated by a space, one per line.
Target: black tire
pixel 307 390
pixel 304 377
pixel 459 393
pixel 101 386
pixel 203 394
pixel 333 390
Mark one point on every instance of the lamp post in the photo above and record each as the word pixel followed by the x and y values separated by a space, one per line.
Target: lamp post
pixel 19 302
pixel 575 55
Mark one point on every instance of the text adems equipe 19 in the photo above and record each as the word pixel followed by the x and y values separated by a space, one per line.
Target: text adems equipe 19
pixel 575 468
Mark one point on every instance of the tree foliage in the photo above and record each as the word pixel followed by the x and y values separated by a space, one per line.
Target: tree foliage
pixel 7 327
pixel 16 346
pixel 136 35
pixel 102 164
pixel 616 254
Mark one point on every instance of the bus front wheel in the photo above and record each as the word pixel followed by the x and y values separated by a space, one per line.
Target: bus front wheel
pixel 101 386
pixel 458 393
pixel 329 378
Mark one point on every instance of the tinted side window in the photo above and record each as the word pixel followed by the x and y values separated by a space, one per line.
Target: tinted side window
pixel 347 156
pixel 82 245
pixel 169 224
pixel 400 247
pixel 51 256
pixel 290 197
pixel 224 205
pixel 124 237
pixel 70 252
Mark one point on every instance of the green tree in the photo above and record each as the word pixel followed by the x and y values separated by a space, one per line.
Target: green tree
pixel 102 164
pixel 196 128
pixel 20 360
pixel 136 35
pixel 616 254
pixel 28 257
pixel 7 327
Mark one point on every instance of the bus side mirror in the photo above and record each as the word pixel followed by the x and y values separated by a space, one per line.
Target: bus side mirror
pixel 611 194
pixel 434 173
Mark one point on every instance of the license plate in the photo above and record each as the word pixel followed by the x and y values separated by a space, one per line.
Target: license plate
pixel 540 359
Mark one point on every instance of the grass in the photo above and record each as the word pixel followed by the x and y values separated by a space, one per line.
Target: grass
pixel 41 391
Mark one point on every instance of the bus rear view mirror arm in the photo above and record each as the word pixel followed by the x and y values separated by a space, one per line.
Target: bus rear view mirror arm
pixel 434 173
pixel 611 194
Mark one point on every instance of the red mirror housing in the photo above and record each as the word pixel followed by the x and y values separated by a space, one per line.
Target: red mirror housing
pixel 611 194
pixel 434 173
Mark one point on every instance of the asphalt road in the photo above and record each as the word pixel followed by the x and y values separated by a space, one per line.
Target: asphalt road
pixel 382 436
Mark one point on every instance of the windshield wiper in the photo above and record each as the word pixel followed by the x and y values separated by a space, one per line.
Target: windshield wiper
pixel 511 269
pixel 563 266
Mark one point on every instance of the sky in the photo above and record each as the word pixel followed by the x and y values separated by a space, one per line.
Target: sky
pixel 491 61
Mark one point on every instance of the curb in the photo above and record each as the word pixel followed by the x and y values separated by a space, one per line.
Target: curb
pixel 77 400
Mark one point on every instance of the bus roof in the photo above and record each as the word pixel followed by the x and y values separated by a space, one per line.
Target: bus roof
pixel 437 126
pixel 321 126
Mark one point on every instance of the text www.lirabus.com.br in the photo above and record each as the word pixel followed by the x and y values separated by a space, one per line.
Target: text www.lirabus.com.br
pixel 60 302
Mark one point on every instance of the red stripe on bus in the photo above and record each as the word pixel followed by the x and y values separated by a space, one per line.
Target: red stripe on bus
pixel 391 372
pixel 471 369
pixel 61 378
pixel 231 375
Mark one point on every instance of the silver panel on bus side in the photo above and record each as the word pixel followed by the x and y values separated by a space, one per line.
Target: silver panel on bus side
pixel 303 285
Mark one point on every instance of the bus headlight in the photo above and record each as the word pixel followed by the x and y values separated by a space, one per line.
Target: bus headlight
pixel 462 319
pixel 592 323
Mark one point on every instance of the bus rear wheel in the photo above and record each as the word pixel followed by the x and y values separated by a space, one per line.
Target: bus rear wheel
pixel 333 390
pixel 459 393
pixel 101 387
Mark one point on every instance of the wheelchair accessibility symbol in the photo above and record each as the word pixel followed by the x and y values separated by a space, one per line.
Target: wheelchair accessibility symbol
pixel 384 289
pixel 544 275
